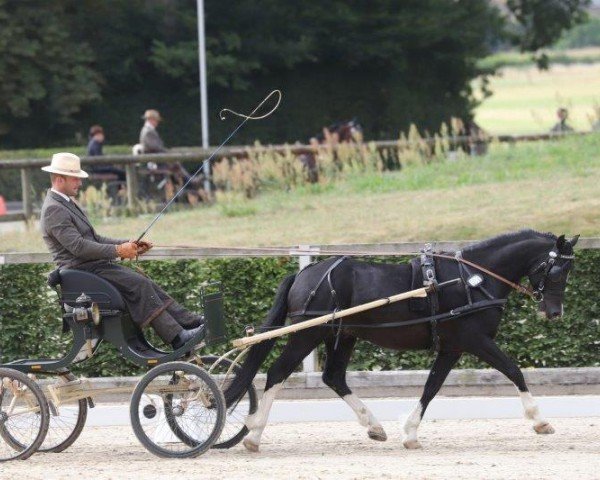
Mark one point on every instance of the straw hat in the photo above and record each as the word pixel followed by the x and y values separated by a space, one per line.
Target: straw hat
pixel 152 114
pixel 66 164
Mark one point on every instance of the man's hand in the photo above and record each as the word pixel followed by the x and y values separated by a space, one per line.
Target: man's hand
pixel 127 250
pixel 143 246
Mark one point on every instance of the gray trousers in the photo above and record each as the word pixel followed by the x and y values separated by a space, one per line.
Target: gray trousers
pixel 148 304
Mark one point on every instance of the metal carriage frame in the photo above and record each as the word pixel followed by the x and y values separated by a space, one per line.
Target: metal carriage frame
pixel 178 381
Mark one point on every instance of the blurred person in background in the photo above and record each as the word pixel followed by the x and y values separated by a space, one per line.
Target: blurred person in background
pixel 149 137
pixel 94 149
pixel 176 174
pixel 562 126
pixel 96 142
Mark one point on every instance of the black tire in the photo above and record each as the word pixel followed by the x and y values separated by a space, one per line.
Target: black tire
pixel 17 447
pixel 64 429
pixel 235 429
pixel 185 444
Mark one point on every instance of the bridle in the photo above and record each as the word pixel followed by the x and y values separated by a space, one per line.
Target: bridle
pixel 549 270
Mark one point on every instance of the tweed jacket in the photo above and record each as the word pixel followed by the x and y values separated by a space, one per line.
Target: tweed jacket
pixel 69 235
pixel 150 140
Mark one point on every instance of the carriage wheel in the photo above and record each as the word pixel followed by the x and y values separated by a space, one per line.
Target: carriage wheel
pixel 177 410
pixel 66 422
pixel 235 429
pixel 24 415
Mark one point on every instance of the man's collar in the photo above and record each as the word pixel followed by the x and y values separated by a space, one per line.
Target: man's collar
pixel 149 125
pixel 66 197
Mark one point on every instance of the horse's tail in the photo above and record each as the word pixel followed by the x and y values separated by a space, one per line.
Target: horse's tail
pixel 257 354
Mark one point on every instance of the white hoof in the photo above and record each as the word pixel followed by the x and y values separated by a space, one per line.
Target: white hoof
pixel 377 433
pixel 250 445
pixel 544 428
pixel 412 444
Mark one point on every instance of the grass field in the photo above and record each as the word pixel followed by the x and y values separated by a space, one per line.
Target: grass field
pixel 525 99
pixel 549 186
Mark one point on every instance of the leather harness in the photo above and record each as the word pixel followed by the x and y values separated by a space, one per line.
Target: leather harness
pixel 428 270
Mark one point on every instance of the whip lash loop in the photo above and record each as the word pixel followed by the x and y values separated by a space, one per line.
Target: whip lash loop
pixel 245 119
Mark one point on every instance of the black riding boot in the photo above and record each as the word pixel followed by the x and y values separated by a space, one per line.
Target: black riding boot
pixel 166 327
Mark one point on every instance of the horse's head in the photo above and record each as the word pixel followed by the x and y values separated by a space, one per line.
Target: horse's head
pixel 351 131
pixel 549 278
pixel 341 132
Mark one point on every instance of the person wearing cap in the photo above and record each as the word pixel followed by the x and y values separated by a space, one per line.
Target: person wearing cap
pixel 94 149
pixel 152 143
pixel 149 137
pixel 74 243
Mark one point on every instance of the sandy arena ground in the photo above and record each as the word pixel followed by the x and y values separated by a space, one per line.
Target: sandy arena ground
pixel 464 449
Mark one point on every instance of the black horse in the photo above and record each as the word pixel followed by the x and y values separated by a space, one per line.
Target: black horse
pixel 542 257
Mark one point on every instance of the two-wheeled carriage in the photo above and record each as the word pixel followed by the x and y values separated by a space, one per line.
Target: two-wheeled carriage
pixel 177 409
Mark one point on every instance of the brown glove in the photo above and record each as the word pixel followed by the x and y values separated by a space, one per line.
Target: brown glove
pixel 127 250
pixel 143 246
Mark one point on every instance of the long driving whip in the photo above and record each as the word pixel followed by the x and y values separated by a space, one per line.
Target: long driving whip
pixel 222 116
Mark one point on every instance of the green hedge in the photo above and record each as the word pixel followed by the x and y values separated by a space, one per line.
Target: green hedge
pixel 30 317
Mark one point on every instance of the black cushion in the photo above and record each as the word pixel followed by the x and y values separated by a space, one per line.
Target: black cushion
pixel 75 282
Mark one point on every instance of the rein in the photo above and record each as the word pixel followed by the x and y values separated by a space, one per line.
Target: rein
pixel 241 251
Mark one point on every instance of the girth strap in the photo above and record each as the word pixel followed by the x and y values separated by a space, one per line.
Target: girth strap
pixel 311 295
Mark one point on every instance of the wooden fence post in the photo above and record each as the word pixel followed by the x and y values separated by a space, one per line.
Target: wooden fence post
pixel 26 193
pixel 132 185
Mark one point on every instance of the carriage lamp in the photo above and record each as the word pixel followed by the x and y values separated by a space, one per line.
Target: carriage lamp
pixel 86 310
pixel 475 280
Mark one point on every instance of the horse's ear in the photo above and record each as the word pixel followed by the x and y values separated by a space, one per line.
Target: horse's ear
pixel 573 241
pixel 560 242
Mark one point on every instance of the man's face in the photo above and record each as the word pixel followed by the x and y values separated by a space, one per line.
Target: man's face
pixel 99 137
pixel 68 185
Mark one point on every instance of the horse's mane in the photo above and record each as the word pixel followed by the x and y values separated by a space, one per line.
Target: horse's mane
pixel 510 237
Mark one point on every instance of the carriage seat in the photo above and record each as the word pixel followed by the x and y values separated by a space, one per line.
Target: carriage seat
pixel 74 282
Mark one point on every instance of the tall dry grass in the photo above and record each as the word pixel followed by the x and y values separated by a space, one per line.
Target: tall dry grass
pixel 260 170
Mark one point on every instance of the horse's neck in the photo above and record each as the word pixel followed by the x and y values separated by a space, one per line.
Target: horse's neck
pixel 513 261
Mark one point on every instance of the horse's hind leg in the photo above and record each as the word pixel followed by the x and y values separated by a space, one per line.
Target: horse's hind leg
pixel 334 376
pixel 299 346
pixel 437 375
pixel 489 352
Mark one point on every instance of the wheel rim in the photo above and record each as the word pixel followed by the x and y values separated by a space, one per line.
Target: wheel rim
pixel 66 422
pixel 235 424
pixel 177 411
pixel 23 416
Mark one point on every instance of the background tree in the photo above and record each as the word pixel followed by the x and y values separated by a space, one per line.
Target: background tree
pixel 45 78
pixel 70 63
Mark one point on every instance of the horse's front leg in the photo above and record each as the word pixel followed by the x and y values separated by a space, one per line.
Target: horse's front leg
pixel 437 375
pixel 489 352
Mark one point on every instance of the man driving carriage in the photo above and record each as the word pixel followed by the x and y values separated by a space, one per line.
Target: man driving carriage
pixel 74 244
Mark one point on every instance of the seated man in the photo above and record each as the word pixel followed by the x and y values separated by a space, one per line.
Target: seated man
pixel 75 244
pixel 94 149
pixel 149 137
